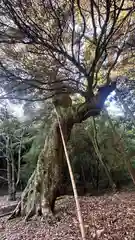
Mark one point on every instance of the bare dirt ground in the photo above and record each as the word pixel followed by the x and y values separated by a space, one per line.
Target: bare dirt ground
pixel 107 217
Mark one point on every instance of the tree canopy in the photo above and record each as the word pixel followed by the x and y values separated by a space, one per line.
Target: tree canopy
pixel 50 47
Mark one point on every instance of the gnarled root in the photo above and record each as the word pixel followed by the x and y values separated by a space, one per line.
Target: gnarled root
pixel 35 200
pixel 16 212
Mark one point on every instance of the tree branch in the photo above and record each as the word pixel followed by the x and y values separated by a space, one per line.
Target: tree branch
pixel 95 105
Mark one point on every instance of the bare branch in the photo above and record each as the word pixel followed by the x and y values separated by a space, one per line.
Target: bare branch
pixel 5 179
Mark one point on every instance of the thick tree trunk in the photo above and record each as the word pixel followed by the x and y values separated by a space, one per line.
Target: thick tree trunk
pixel 44 185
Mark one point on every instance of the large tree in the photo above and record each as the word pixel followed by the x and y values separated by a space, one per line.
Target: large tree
pixel 59 49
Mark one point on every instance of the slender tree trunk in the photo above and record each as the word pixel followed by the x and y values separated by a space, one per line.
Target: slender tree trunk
pixel 9 178
pixel 13 180
pixel 97 176
pixel 9 171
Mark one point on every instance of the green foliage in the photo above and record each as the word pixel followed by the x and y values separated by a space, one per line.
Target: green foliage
pixel 83 154
pixel 31 156
pixel 39 131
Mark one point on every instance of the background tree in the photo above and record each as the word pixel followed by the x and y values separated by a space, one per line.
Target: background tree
pixel 11 149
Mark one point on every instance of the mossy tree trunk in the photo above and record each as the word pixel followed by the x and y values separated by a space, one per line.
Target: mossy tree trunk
pixel 44 185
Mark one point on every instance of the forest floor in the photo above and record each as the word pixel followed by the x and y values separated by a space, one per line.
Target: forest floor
pixel 107 217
